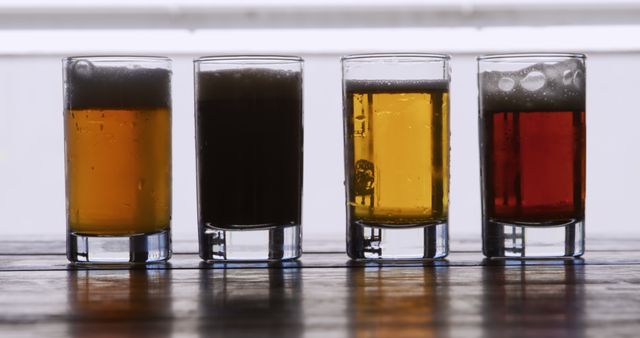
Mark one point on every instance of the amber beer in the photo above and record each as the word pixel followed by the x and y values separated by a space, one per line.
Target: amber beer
pixel 118 148
pixel 396 156
pixel 532 132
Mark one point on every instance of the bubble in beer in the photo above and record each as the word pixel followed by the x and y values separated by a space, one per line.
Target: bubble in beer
pixel 542 86
pixel 567 77
pixel 578 79
pixel 83 68
pixel 533 81
pixel 506 84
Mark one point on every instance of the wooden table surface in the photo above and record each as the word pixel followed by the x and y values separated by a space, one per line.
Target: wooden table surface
pixel 321 295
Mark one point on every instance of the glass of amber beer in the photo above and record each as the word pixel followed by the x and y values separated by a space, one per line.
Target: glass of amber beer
pixel 249 157
pixel 532 146
pixel 396 132
pixel 117 122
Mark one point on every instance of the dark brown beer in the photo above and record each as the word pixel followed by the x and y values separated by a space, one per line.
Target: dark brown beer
pixel 249 148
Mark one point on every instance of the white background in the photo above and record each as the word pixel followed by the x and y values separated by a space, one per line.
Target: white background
pixel 35 35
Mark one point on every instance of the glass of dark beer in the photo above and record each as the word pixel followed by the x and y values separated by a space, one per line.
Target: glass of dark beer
pixel 532 146
pixel 117 122
pixel 396 133
pixel 249 157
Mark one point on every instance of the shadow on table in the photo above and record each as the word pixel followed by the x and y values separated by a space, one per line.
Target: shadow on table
pixel 120 303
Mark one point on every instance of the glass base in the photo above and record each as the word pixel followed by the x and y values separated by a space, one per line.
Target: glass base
pixel 422 242
pixel 502 240
pixel 271 244
pixel 146 248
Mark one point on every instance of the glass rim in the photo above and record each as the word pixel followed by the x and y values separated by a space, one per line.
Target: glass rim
pixel 396 56
pixel 256 59
pixel 530 56
pixel 119 58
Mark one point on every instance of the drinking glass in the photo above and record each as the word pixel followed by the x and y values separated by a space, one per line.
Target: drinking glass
pixel 396 137
pixel 117 123
pixel 532 146
pixel 249 157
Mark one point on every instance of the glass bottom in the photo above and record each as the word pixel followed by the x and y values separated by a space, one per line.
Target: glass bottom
pixel 145 248
pixel 501 240
pixel 272 244
pixel 418 242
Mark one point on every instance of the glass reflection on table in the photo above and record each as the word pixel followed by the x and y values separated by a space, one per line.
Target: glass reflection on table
pixel 240 302
pixel 533 298
pixel 398 302
pixel 120 303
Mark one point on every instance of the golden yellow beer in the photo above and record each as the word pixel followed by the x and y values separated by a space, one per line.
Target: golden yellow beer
pixel 118 170
pixel 398 152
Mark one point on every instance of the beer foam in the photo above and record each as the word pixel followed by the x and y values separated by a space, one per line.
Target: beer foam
pixel 395 86
pixel 91 86
pixel 230 84
pixel 556 86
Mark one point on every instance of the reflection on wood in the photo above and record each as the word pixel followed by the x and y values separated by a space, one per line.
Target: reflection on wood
pixel 250 303
pixel 323 295
pixel 116 303
pixel 546 301
pixel 397 302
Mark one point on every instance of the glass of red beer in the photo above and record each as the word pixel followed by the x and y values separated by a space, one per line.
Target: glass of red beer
pixel 532 151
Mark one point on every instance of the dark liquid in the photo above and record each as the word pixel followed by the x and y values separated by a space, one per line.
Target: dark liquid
pixel 534 167
pixel 249 148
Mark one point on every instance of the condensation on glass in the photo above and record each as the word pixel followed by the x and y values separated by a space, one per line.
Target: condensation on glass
pixel 532 146
pixel 117 122
pixel 396 133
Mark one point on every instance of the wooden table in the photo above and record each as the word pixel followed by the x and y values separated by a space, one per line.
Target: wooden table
pixel 322 295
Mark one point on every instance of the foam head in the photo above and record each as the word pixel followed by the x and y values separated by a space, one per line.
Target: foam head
pixel 558 86
pixel 230 84
pixel 93 86
pixel 396 86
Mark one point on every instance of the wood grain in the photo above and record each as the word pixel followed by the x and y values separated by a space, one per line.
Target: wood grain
pixel 322 295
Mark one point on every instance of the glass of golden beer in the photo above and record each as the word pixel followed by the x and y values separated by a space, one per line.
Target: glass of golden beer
pixel 117 122
pixel 532 151
pixel 396 132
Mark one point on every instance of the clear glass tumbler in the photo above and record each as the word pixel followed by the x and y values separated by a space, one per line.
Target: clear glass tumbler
pixel 249 157
pixel 532 146
pixel 396 137
pixel 117 122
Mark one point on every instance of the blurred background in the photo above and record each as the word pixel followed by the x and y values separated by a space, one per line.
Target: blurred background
pixel 35 35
